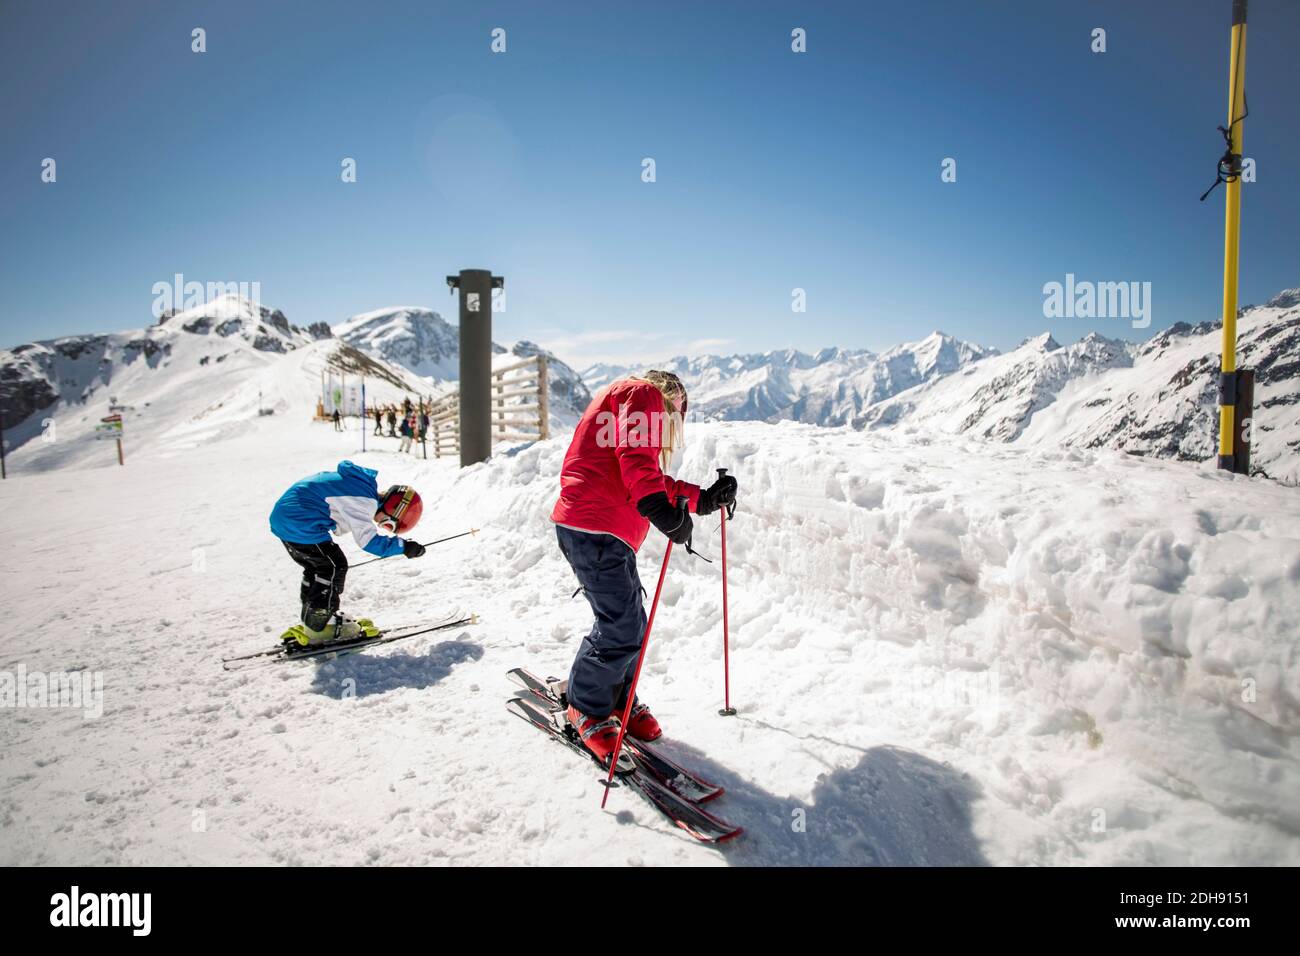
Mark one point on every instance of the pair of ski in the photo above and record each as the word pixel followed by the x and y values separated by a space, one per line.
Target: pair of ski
pixel 671 789
pixel 293 652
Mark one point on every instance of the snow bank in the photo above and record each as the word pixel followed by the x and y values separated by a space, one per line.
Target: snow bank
pixel 1097 640
pixel 944 652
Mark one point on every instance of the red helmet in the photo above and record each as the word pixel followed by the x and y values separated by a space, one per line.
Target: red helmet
pixel 399 509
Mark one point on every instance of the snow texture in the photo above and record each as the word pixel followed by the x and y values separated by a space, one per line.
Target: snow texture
pixel 944 651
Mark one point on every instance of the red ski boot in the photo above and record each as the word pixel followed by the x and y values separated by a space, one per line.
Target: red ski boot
pixel 642 725
pixel 598 734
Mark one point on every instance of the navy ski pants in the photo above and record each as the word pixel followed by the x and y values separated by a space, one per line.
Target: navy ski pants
pixel 606 568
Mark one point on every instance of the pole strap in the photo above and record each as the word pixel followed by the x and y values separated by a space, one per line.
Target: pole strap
pixel 1229 167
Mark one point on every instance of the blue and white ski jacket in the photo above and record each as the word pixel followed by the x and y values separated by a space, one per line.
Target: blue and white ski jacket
pixel 334 502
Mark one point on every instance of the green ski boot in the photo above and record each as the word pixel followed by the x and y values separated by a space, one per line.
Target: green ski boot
pixel 337 629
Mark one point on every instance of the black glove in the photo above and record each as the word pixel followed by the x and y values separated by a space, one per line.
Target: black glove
pixel 675 523
pixel 721 492
pixel 412 549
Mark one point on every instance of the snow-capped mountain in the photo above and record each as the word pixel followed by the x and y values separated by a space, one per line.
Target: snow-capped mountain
pixel 266 330
pixel 599 375
pixel 35 375
pixel 831 387
pixel 423 342
pixel 997 398
pixel 1157 397
pixel 206 369
pixel 569 396
pixel 417 339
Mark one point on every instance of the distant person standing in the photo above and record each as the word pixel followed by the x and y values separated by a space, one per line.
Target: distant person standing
pixel 392 421
pixel 407 434
pixel 379 421
pixel 338 421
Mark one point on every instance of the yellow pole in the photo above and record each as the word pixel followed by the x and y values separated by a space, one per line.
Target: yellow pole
pixel 1232 234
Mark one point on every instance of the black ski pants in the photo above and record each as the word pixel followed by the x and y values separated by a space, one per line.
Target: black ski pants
pixel 324 569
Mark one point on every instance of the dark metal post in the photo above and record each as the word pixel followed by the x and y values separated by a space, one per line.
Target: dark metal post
pixel 475 287
pixel 1242 425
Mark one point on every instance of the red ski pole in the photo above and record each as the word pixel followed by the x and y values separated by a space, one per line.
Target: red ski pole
pixel 636 675
pixel 727 709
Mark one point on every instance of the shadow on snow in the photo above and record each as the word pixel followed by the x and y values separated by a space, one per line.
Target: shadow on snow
pixel 894 807
pixel 379 674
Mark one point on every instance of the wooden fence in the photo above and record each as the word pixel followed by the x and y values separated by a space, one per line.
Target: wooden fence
pixel 521 408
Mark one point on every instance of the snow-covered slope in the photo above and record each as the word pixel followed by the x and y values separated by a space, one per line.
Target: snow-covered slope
pixel 944 651
pixel 204 371
pixel 421 341
pixel 1155 398
pixel 831 387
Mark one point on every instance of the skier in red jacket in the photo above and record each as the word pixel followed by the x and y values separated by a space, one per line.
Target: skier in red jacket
pixel 612 488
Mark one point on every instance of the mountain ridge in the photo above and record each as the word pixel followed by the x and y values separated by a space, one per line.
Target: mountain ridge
pixel 423 342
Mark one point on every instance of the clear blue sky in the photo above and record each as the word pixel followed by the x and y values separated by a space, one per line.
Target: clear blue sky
pixel 775 170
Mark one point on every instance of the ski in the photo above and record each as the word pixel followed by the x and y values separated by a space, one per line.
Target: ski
pixel 550 722
pixel 685 783
pixel 683 814
pixel 287 652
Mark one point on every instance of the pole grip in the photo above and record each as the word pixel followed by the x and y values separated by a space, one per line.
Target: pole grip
pixel 729 511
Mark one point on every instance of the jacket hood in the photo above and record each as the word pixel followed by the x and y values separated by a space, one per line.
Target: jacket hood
pixel 350 469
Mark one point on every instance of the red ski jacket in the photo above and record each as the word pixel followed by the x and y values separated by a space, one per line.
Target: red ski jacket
pixel 613 462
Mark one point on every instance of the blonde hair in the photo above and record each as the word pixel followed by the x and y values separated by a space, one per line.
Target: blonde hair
pixel 673 392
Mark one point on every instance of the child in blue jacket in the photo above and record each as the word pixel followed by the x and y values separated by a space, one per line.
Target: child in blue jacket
pixel 345 501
